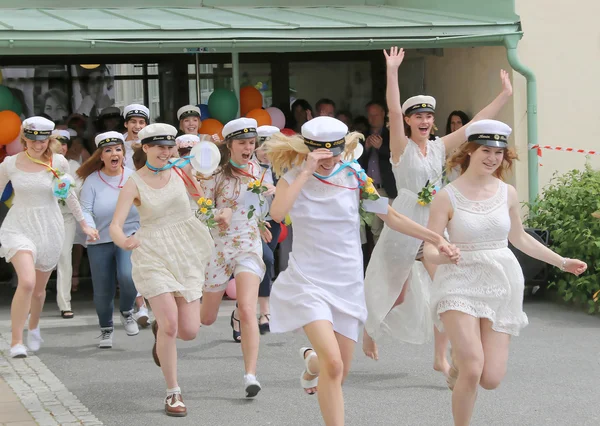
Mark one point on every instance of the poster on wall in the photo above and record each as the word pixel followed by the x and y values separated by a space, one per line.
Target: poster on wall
pixel 40 90
pixel 93 89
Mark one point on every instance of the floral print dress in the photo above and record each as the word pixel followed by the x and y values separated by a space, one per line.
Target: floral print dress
pixel 240 244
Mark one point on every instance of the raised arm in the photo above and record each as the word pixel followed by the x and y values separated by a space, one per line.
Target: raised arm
pixel 530 246
pixel 457 138
pixel 286 193
pixel 398 140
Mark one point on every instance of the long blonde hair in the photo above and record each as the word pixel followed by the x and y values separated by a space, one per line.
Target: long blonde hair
pixel 54 146
pixel 286 152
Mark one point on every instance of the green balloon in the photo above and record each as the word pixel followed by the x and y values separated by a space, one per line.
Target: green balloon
pixel 223 105
pixel 6 98
pixel 16 107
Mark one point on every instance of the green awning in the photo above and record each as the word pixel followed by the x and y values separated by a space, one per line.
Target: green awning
pixel 58 31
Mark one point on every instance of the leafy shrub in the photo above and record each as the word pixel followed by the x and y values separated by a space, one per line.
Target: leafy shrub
pixel 565 210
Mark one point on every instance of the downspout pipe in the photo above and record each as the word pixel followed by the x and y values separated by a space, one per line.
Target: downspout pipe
pixel 511 42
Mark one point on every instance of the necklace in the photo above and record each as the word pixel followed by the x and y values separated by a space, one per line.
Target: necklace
pixel 49 166
pixel 111 185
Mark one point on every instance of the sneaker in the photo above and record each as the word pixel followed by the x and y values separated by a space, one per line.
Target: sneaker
pixel 18 351
pixel 131 327
pixel 106 338
pixel 34 340
pixel 252 385
pixel 141 317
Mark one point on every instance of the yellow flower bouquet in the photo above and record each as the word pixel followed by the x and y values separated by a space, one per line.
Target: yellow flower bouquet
pixel 367 192
pixel 206 213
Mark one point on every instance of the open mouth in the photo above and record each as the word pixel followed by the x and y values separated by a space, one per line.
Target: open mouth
pixel 245 157
pixel 114 162
pixel 424 129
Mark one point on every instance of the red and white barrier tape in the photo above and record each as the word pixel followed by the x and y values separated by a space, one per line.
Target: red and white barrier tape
pixel 539 148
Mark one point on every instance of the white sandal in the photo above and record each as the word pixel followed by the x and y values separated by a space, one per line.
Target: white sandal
pixel 307 384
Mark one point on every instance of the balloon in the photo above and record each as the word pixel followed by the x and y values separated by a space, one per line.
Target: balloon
pixel 10 126
pixel 210 126
pixel 261 116
pixel 16 107
pixel 288 132
pixel 8 203
pixel 250 98
pixel 277 117
pixel 8 190
pixel 230 291
pixel 204 113
pixel 223 105
pixel 284 233
pixel 6 98
pixel 14 147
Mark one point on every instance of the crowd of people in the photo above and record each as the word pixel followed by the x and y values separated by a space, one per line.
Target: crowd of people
pixel 173 226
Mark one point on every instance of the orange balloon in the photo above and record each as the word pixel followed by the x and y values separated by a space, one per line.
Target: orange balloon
pixel 10 126
pixel 210 126
pixel 250 98
pixel 262 117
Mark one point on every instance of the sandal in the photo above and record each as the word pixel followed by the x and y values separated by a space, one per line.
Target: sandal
pixel 264 328
pixel 67 314
pixel 237 335
pixel 307 384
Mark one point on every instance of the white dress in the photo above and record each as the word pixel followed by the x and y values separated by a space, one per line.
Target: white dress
pixel 488 281
pixel 174 246
pixel 324 277
pixel 393 259
pixel 34 223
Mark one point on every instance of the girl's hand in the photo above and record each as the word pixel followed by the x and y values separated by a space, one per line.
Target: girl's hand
pixel 131 243
pixel 91 233
pixel 270 189
pixel 312 161
pixel 223 218
pixel 394 58
pixel 450 251
pixel 506 84
pixel 575 266
pixel 266 233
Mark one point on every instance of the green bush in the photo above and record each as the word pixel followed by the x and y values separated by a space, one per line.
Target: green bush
pixel 565 210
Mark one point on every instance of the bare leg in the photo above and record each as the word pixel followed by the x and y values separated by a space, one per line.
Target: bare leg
pixel 369 346
pixel 465 335
pixel 38 299
pixel 263 304
pixel 188 318
pixel 21 303
pixel 495 349
pixel 166 313
pixel 209 309
pixel 247 295
pixel 331 400
pixel 440 360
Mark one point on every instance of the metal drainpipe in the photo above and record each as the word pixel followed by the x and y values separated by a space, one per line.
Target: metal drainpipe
pixel 511 42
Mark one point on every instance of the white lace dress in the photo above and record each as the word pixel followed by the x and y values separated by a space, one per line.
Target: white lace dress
pixel 393 259
pixel 488 281
pixel 34 223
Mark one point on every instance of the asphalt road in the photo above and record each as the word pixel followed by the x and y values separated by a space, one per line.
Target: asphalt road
pixel 553 377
